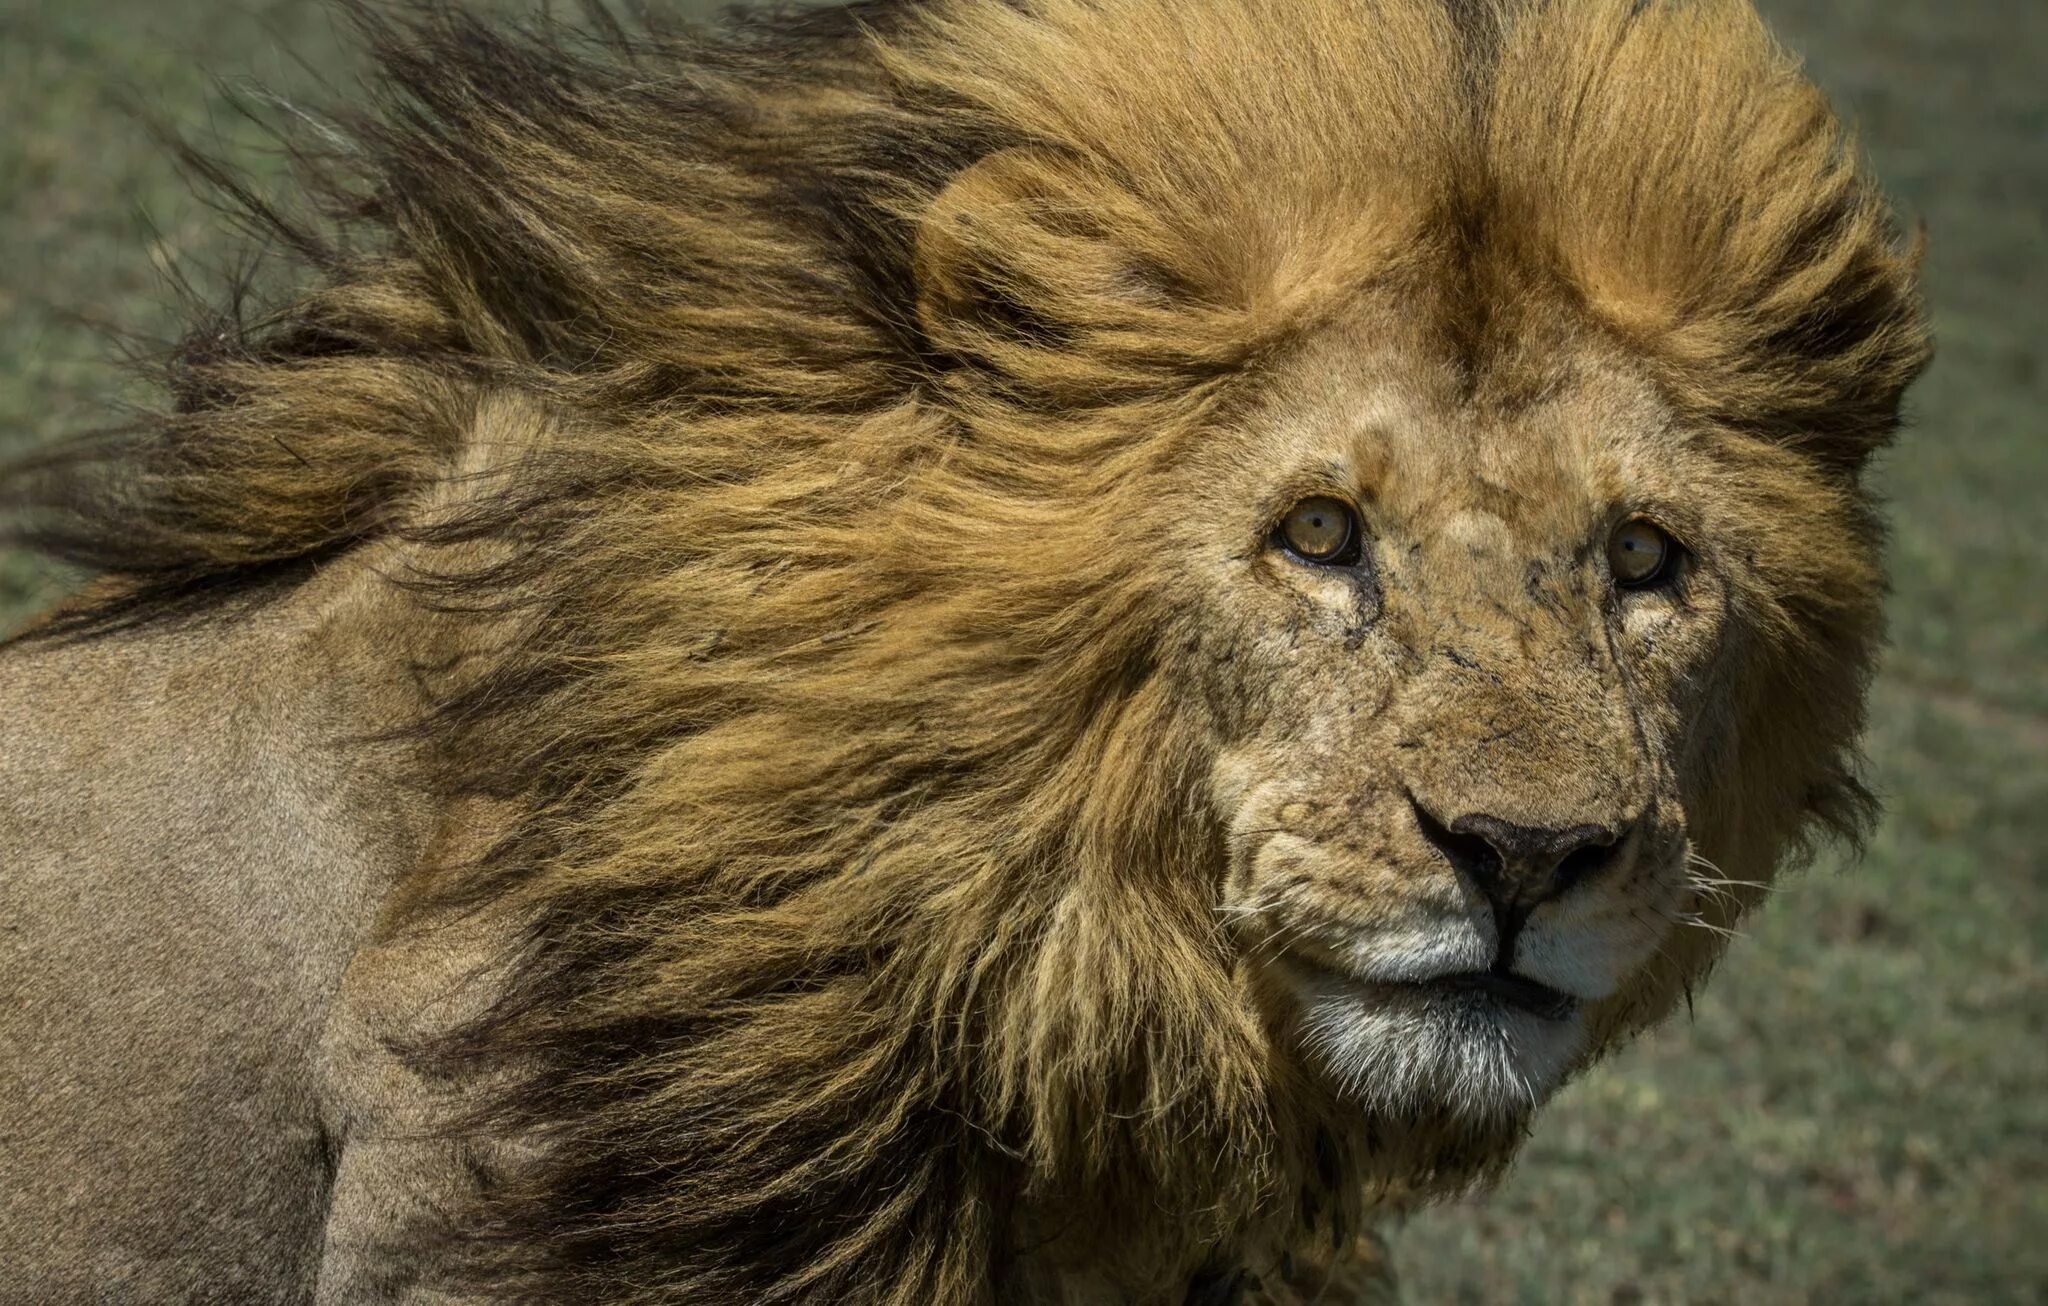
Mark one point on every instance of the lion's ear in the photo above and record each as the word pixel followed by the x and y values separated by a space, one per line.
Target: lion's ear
pixel 1027 251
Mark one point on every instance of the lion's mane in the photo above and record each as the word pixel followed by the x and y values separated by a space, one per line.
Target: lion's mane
pixel 858 837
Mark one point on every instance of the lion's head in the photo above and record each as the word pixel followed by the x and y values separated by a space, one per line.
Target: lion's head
pixel 1131 618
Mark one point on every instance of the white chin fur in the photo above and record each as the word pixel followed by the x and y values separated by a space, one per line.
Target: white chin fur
pixel 1395 1048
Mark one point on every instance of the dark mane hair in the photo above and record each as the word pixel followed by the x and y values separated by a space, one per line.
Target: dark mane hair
pixel 789 380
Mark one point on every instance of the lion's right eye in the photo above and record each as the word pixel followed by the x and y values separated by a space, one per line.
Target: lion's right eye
pixel 1640 554
pixel 1322 530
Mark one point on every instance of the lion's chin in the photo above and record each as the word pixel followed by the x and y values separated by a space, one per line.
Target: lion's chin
pixel 1480 1051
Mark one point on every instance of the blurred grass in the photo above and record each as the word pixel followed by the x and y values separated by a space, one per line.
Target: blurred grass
pixel 1858 1111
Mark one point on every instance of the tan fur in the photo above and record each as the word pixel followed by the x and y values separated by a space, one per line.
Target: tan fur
pixel 851 459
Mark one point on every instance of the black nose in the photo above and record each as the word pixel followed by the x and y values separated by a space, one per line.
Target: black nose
pixel 1519 866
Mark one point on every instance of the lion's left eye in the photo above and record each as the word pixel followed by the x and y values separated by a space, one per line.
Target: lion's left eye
pixel 1639 553
pixel 1322 530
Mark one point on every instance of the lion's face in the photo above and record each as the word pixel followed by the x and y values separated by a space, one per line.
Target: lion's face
pixel 1461 642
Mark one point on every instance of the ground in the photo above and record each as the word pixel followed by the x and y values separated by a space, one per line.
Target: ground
pixel 1858 1109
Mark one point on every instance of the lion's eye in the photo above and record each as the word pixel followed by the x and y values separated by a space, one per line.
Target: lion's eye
pixel 1321 529
pixel 1639 553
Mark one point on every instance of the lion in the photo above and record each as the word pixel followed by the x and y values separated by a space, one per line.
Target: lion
pixel 967 651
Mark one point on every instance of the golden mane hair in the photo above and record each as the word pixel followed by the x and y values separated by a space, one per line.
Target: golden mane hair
pixel 856 833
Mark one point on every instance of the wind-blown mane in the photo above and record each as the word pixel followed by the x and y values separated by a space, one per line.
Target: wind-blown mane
pixel 859 833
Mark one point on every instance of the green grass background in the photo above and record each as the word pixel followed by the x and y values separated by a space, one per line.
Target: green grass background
pixel 1858 1110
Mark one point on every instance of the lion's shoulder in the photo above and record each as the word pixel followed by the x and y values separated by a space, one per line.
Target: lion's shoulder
pixel 197 824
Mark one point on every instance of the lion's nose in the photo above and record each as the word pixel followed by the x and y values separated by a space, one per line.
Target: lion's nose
pixel 1518 866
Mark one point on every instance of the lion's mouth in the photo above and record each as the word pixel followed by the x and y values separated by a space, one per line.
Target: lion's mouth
pixel 1506 988
pixel 1514 990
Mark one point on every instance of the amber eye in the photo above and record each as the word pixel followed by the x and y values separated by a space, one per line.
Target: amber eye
pixel 1639 553
pixel 1321 529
